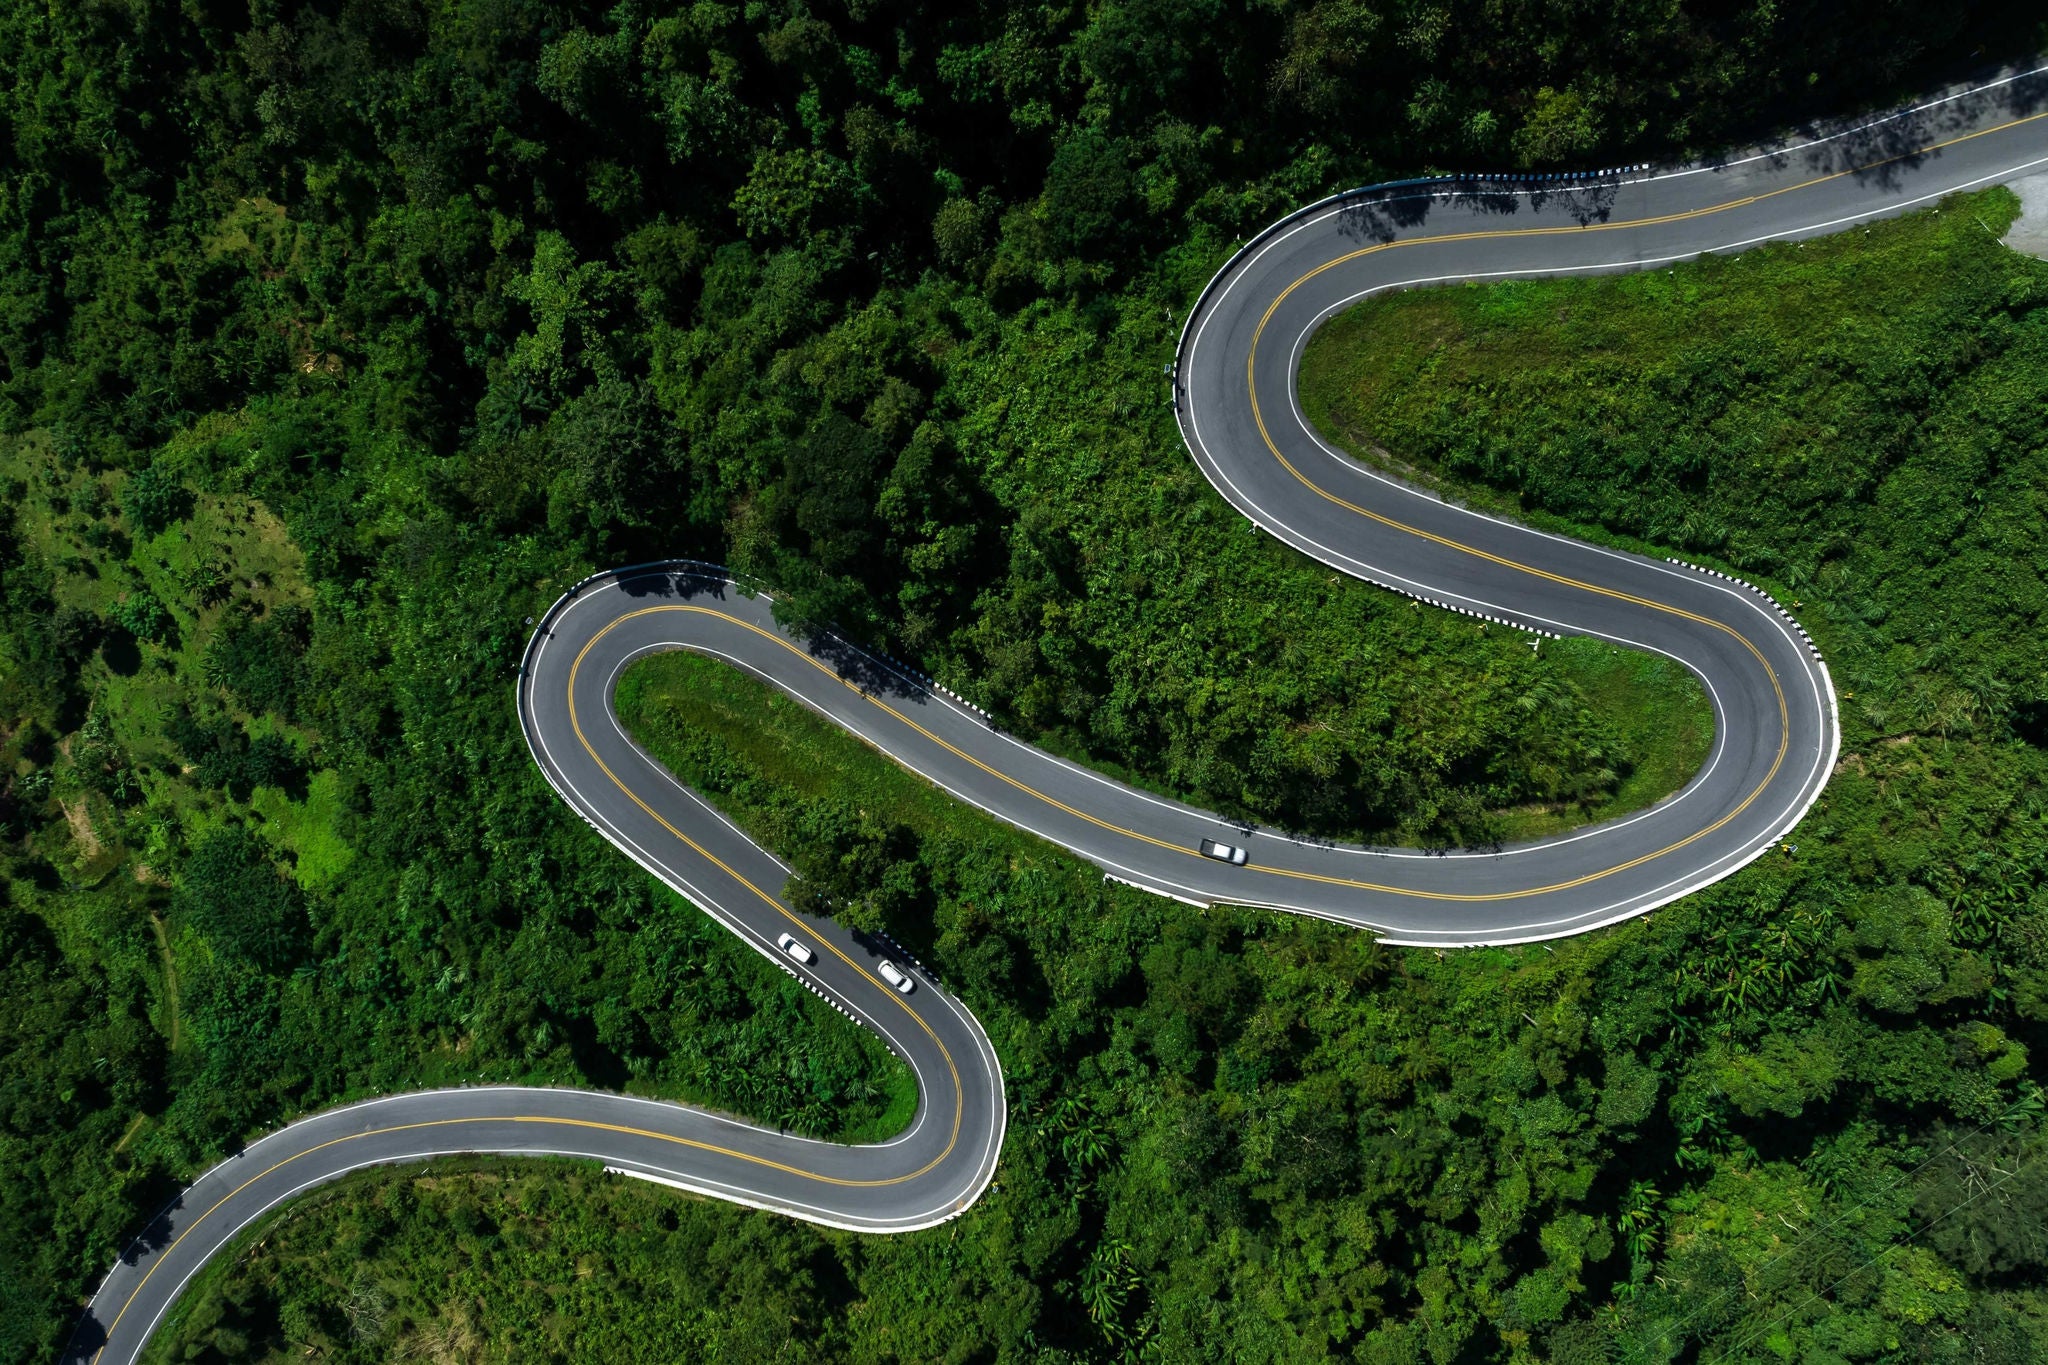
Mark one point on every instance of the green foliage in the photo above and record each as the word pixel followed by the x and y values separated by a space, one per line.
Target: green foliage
pixel 261 662
pixel 568 303
pixel 143 616
pixel 429 311
pixel 74 633
pixel 788 193
pixel 1086 189
pixel 152 500
pixel 224 756
pixel 864 877
pixel 67 1064
pixel 242 903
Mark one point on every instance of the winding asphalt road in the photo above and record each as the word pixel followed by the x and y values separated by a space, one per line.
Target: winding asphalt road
pixel 1776 734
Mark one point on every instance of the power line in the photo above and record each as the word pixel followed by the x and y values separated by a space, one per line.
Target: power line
pixel 1960 1205
pixel 1862 1204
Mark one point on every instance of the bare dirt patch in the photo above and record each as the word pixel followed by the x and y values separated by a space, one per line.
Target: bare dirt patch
pixel 2029 232
pixel 82 832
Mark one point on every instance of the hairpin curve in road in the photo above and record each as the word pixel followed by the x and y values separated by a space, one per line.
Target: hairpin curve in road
pixel 1234 391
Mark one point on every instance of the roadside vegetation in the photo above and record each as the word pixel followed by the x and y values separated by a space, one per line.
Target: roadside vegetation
pixel 1662 728
pixel 1253 1101
pixel 336 338
pixel 502 1263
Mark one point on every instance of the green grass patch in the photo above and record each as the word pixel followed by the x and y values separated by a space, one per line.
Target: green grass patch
pixel 310 829
pixel 1657 710
pixel 1728 407
pixel 672 703
pixel 748 747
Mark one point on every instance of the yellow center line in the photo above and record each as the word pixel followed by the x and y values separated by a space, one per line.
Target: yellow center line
pixel 542 1119
pixel 1181 849
pixel 1513 232
pixel 959 1095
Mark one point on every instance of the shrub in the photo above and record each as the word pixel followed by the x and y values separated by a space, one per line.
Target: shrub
pixel 152 500
pixel 258 661
pixel 143 616
pixel 234 895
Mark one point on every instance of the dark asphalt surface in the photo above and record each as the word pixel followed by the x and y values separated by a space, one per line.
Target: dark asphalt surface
pixel 1776 736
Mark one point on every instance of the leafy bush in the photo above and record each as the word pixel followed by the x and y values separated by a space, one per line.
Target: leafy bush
pixel 153 500
pixel 244 905
pixel 75 633
pixel 227 758
pixel 864 875
pixel 143 616
pixel 273 761
pixel 260 662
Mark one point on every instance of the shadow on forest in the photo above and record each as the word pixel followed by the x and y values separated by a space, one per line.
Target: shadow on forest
pixel 89 1337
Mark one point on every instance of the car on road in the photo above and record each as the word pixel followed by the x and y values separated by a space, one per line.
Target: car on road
pixel 896 977
pixel 801 952
pixel 1224 853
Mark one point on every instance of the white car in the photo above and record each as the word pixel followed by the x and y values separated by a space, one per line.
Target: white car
pixel 896 977
pixel 799 951
pixel 1224 853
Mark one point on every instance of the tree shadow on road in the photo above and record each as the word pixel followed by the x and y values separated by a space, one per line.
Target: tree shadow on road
pixel 1882 153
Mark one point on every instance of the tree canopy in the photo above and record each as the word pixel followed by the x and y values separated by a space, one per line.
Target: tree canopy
pixel 337 336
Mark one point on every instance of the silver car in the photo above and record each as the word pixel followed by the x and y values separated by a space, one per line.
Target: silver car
pixel 1224 853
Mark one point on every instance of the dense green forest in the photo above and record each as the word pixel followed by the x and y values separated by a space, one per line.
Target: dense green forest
pixel 335 338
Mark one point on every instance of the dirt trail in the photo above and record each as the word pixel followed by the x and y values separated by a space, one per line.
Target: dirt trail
pixel 163 947
pixel 76 816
